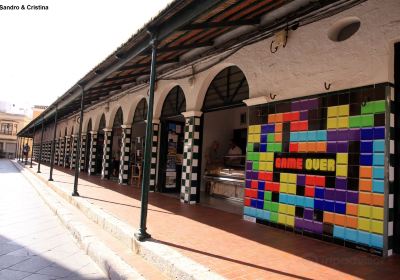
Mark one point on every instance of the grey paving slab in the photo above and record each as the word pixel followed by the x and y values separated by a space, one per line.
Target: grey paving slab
pixel 34 245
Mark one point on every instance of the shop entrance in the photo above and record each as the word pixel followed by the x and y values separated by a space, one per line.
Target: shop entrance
pixel 87 145
pixel 100 145
pixel 116 138
pixel 137 143
pixel 171 142
pixel 224 138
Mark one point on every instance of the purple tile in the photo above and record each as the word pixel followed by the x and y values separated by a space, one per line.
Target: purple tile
pixel 268 128
pixel 317 227
pixel 341 183
pixel 308 214
pixel 342 147
pixel 249 165
pixel 248 183
pixel 343 135
pixel 295 105
pixel 331 147
pixel 255 175
pixel 303 115
pixel 299 223
pixel 330 194
pixel 354 134
pixel 249 175
pixel 308 225
pixel 352 196
pixel 332 135
pixel 301 179
pixel 313 104
pixel 340 195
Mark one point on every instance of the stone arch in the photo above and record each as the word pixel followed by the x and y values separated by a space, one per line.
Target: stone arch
pixel 102 123
pixel 161 95
pixel 140 111
pixel 89 126
pixel 111 115
pixel 134 101
pixel 174 103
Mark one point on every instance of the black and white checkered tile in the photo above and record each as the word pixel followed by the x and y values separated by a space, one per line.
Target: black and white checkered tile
pixel 105 167
pixel 125 153
pixel 67 151
pixel 191 155
pixel 154 156
pixel 92 152
pixel 82 153
pixel 61 151
pixel 56 149
pixel 74 140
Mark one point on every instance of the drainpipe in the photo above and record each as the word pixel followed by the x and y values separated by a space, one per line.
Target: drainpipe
pixel 41 146
pixel 78 145
pixel 53 145
pixel 33 143
pixel 142 235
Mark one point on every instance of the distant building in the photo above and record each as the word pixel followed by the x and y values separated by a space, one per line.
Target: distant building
pixel 37 110
pixel 10 125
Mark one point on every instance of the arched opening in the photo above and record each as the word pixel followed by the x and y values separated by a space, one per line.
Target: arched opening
pixel 137 142
pixel 171 141
pixel 100 144
pixel 116 138
pixel 223 139
pixel 87 145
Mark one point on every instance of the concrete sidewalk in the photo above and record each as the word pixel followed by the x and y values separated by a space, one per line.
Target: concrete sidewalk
pixel 229 246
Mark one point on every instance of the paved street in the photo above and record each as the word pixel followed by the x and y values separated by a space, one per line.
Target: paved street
pixel 33 243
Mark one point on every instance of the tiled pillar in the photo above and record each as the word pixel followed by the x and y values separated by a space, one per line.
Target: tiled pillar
pixel 61 151
pixel 191 156
pixel 106 154
pixel 125 153
pixel 83 159
pixel 67 150
pixel 56 148
pixel 74 139
pixel 92 152
pixel 154 155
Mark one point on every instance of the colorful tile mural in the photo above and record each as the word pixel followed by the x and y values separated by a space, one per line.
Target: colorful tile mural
pixel 317 166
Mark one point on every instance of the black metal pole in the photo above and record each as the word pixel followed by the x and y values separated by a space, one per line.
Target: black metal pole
pixel 21 151
pixel 41 146
pixel 27 152
pixel 78 146
pixel 53 146
pixel 18 146
pixel 33 143
pixel 142 234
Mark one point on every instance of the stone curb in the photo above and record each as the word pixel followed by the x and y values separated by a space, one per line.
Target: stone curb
pixel 169 261
pixel 107 260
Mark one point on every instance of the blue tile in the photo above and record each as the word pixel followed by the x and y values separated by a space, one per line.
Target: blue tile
pixel 299 200
pixel 249 211
pixel 340 207
pixel 283 198
pixel 261 187
pixel 319 192
pixel 319 204
pixel 308 202
pixel 302 136
pixel 338 231
pixel 379 146
pixel 367 134
pixel 260 194
pixel 364 237
pixel 265 215
pixel 378 186
pixel 293 137
pixel 263 138
pixel 260 204
pixel 366 159
pixel 378 172
pixel 377 241
pixel 329 205
pixel 350 234
pixel 312 135
pixel 263 147
pixel 291 199
pixel 321 135
pixel 366 147
pixel 253 203
pixel 379 133
pixel 378 159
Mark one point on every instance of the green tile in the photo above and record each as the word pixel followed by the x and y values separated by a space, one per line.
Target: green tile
pixel 367 120
pixel 379 106
pixel 267 205
pixel 255 165
pixel 273 217
pixel 274 206
pixel 267 195
pixel 250 147
pixel 270 147
pixel 354 121
pixel 278 147
pixel 368 108
pixel 271 137
pixel 249 155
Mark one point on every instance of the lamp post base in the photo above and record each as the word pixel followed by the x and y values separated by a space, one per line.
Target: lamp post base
pixel 142 235
pixel 75 194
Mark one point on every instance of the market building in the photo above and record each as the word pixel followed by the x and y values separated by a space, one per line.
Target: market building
pixel 283 111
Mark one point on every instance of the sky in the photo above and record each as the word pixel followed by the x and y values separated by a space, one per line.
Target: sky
pixel 43 53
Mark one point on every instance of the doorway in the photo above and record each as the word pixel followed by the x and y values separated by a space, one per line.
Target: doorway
pixel 100 145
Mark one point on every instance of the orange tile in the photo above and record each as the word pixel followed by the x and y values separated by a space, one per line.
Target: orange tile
pixel 321 147
pixel 377 199
pixel 366 172
pixel 278 137
pixel 271 118
pixel 351 222
pixel 278 118
pixel 311 147
pixel 340 220
pixel 302 147
pixel 352 209
pixel 278 127
pixel 365 198
pixel 365 185
pixel 329 217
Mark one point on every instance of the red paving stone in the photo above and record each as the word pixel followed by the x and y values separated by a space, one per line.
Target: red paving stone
pixel 226 243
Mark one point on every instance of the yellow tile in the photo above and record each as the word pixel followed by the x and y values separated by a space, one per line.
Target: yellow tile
pixel 290 221
pixel 290 210
pixel 331 123
pixel 342 158
pixel 270 156
pixel 284 177
pixel 377 213
pixel 251 138
pixel 283 188
pixel 343 122
pixel 262 166
pixel 257 129
pixel 364 224
pixel 270 166
pixel 291 188
pixel 257 138
pixel 377 226
pixel 251 129
pixel 282 208
pixel 263 156
pixel 292 178
pixel 364 211
pixel 341 170
pixel 332 111
pixel 282 218
pixel 343 110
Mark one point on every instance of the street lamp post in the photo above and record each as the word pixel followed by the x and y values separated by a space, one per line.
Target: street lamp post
pixel 78 145
pixel 53 146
